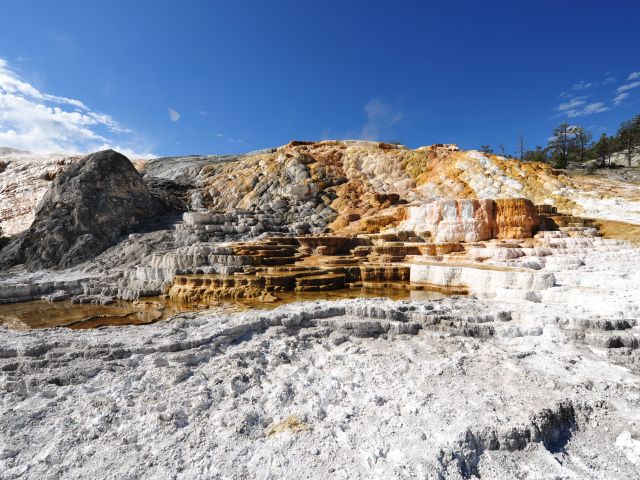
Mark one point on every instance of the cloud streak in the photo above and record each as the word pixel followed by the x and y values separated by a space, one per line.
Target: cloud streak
pixel 582 85
pixel 621 97
pixel 580 106
pixel 571 104
pixel 41 122
pixel 628 86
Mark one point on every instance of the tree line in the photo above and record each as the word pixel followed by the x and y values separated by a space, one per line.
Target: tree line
pixel 572 143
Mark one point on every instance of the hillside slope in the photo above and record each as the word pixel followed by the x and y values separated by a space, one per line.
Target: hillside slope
pixel 351 185
pixel 343 185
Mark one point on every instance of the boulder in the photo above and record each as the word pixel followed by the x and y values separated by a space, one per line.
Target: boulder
pixel 89 207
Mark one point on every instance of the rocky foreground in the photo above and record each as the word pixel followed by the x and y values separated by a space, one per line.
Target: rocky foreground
pixel 533 373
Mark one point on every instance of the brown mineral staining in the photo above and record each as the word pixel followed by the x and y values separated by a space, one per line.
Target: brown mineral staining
pixel 363 187
pixel 516 218
pixel 619 230
pixel 43 314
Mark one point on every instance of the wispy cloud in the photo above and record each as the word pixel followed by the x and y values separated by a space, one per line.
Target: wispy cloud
pixel 380 117
pixel 621 97
pixel 579 107
pixel 628 86
pixel 219 134
pixel 173 114
pixel 571 104
pixel 589 109
pixel 582 85
pixel 41 122
pixel 582 104
pixel 204 113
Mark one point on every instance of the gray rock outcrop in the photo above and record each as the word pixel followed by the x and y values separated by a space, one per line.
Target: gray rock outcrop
pixel 90 206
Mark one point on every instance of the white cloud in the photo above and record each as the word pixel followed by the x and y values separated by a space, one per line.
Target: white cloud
pixel 609 80
pixel 633 75
pixel 219 134
pixel 618 99
pixel 380 116
pixel 628 86
pixel 204 113
pixel 589 109
pixel 582 85
pixel 173 115
pixel 41 122
pixel 578 107
pixel 571 104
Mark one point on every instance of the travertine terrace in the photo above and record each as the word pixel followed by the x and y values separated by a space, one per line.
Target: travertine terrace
pixel 528 368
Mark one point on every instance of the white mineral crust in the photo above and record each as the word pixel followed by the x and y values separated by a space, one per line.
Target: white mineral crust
pixel 367 388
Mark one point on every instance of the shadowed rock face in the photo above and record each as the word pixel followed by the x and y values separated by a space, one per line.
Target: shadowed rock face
pixel 89 207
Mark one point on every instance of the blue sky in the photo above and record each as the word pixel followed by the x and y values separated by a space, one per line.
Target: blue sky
pixel 168 77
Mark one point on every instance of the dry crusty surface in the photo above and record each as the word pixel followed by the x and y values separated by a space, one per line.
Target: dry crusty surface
pixel 455 388
pixel 342 183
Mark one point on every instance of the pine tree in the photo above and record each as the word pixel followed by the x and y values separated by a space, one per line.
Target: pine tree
pixel 581 139
pixel 629 137
pixel 603 149
pixel 560 144
pixel 486 149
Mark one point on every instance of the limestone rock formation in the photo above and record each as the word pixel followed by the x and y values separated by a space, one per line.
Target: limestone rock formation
pixel 24 179
pixel 346 186
pixel 349 187
pixel 515 218
pixel 467 220
pixel 534 374
pixel 453 220
pixel 89 206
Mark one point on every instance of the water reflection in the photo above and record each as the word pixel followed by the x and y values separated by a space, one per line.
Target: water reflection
pixel 43 314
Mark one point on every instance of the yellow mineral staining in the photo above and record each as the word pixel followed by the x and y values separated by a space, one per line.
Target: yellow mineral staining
pixel 618 230
pixel 290 424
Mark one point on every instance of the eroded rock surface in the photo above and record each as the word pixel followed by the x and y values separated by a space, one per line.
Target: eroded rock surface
pixel 24 179
pixel 89 207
